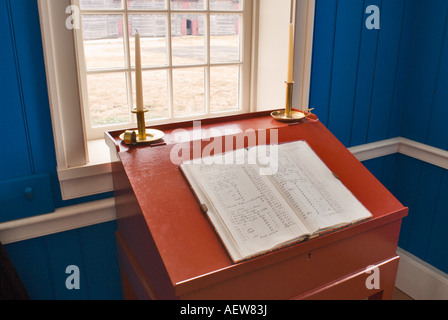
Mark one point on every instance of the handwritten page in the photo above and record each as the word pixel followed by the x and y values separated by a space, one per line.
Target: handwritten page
pixel 312 190
pixel 254 213
pixel 250 207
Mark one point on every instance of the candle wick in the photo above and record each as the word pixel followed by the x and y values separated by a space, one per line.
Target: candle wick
pixel 136 30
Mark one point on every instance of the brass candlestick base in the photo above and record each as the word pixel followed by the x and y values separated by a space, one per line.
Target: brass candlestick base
pixel 288 114
pixel 141 135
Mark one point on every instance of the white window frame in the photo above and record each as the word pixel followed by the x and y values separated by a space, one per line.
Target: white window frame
pixel 84 167
pixel 243 64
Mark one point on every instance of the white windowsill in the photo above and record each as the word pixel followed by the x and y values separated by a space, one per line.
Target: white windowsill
pixel 93 178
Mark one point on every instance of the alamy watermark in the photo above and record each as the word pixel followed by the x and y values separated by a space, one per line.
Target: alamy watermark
pixel 373 281
pixel 232 141
pixel 373 20
pixel 73 21
pixel 73 281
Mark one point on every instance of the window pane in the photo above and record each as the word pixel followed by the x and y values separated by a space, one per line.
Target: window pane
pixel 224 88
pixel 188 41
pixel 153 43
pixel 188 91
pixel 224 38
pixel 187 5
pixel 146 4
pixel 103 41
pixel 100 4
pixel 155 93
pixel 108 100
pixel 227 5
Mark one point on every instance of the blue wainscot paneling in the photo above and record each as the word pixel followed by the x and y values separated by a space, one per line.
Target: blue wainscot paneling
pixel 424 189
pixel 25 197
pixel 42 264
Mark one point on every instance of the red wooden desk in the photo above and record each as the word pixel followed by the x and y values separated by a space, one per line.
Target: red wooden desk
pixel 168 249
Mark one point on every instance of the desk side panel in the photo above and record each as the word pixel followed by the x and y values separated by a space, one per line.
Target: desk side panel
pixel 133 233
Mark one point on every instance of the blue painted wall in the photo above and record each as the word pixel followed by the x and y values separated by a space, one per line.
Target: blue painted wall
pixel 28 154
pixel 359 76
pixel 367 85
pixel 370 85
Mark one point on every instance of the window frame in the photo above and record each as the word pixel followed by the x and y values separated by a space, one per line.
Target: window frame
pixel 84 167
pixel 244 65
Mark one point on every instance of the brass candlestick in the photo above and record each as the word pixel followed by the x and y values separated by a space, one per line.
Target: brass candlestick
pixel 288 114
pixel 142 134
pixel 141 123
pixel 288 100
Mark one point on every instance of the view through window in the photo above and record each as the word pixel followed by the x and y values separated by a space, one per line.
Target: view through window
pixel 192 58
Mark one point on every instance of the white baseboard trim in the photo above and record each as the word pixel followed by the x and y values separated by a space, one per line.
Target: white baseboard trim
pixel 420 280
pixel 63 219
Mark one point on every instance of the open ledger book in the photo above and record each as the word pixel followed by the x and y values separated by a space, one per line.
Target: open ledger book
pixel 256 213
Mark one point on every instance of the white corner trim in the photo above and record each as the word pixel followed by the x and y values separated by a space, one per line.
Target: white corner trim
pixel 420 280
pixel 423 152
pixel 376 149
pixel 63 219
pixel 410 148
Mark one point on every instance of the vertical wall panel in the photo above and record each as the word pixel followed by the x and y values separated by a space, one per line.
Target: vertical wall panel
pixel 15 158
pixel 438 129
pixel 375 166
pixel 349 22
pixel 437 254
pixel 407 178
pixel 389 169
pixel 100 261
pixel 385 69
pixel 322 66
pixel 364 85
pixel 30 259
pixel 31 68
pixel 403 66
pixel 430 30
pixel 422 217
pixel 64 250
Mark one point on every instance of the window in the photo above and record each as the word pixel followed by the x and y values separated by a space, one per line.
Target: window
pixel 192 57
pixel 258 76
